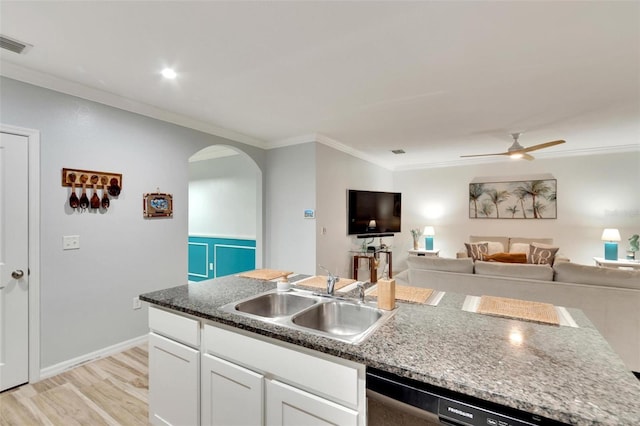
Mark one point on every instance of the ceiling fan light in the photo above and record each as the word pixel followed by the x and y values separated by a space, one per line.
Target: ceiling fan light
pixel 516 155
pixel 169 73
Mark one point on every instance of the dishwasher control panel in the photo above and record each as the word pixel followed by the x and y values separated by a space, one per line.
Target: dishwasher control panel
pixel 458 413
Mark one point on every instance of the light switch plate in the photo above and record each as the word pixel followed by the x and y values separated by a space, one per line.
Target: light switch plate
pixel 71 242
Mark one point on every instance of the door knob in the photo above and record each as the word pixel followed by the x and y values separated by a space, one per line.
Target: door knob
pixel 17 274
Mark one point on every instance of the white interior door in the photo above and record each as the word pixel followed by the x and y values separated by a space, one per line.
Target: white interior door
pixel 14 261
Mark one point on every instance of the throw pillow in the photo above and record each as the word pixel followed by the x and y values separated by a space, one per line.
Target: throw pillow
pixel 542 254
pixel 476 251
pixel 506 257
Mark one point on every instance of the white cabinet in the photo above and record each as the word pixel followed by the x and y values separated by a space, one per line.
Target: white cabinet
pixel 289 406
pixel 294 385
pixel 173 382
pixel 174 369
pixel 231 395
pixel 212 374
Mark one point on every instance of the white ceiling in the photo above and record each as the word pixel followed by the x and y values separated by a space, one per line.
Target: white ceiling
pixel 437 79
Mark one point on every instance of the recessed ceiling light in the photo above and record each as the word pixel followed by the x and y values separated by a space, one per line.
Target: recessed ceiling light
pixel 169 73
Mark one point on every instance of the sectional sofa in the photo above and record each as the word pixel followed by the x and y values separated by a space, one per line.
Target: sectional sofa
pixel 609 297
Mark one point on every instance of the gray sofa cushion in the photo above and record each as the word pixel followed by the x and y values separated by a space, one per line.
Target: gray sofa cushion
pixel 568 272
pixel 464 265
pixel 517 270
pixel 516 240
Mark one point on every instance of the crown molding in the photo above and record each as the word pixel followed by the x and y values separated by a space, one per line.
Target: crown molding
pixel 48 81
pixel 326 140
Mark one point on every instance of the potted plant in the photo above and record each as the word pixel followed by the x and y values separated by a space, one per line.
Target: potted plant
pixel 634 246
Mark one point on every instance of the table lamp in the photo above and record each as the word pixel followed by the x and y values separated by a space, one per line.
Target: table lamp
pixel 429 232
pixel 611 237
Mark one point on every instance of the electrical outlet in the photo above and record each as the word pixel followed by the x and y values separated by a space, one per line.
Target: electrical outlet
pixel 136 303
pixel 211 266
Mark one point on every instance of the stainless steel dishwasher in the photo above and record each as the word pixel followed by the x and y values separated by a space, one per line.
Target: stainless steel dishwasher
pixel 433 405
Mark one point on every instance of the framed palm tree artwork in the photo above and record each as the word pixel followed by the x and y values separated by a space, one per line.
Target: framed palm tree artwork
pixel 518 199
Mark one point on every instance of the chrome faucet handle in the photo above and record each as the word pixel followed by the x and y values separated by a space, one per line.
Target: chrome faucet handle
pixel 331 284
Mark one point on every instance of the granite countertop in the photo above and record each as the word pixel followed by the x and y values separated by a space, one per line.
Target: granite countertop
pixel 563 373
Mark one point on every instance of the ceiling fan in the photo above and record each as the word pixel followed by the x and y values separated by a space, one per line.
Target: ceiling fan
pixel 516 150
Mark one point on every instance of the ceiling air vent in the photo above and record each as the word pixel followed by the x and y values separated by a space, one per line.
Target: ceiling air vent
pixel 398 151
pixel 14 45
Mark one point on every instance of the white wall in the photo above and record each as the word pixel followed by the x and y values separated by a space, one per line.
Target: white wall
pixel 594 192
pixel 223 199
pixel 336 173
pixel 290 189
pixel 86 294
pixel 314 176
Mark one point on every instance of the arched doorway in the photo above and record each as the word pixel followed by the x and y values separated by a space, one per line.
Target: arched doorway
pixel 225 213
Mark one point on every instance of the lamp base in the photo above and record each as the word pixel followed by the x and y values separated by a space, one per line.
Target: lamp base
pixel 610 251
pixel 428 243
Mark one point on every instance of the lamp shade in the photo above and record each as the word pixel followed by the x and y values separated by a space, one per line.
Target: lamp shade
pixel 372 223
pixel 429 231
pixel 610 234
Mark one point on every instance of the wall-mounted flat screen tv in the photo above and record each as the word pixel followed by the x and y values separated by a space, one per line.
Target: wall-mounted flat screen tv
pixel 373 212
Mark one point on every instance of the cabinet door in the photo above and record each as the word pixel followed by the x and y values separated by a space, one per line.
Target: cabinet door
pixel 231 395
pixel 290 406
pixel 174 382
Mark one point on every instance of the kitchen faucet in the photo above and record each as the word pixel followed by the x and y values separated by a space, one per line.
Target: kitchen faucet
pixel 331 281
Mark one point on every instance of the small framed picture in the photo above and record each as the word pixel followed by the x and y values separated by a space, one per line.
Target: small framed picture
pixel 156 204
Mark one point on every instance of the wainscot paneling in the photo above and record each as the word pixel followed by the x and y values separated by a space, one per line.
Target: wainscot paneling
pixel 212 257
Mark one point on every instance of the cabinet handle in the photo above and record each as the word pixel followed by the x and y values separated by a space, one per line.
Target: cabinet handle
pixel 17 274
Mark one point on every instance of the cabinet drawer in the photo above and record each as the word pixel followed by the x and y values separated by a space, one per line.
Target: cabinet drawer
pixel 177 327
pixel 337 380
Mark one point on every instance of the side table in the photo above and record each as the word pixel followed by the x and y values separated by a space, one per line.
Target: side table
pixel 423 252
pixel 372 259
pixel 620 263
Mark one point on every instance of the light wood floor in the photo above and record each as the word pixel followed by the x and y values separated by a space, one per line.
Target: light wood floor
pixel 109 391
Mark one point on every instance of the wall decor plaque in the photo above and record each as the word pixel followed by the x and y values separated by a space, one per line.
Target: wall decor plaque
pixel 157 204
pixel 517 199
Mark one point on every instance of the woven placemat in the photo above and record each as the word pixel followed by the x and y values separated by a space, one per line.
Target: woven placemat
pixel 518 309
pixel 409 294
pixel 265 274
pixel 320 281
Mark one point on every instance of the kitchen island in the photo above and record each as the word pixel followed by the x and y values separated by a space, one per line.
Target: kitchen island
pixel 566 374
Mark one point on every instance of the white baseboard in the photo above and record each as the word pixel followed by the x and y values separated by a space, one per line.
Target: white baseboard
pixel 83 359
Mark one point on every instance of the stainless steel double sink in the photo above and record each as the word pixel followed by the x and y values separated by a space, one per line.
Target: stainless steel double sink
pixel 337 318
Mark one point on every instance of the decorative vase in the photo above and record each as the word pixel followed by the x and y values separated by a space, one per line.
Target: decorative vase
pixel 631 255
pixel 415 244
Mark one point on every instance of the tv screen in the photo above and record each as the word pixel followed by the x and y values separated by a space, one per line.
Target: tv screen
pixel 373 212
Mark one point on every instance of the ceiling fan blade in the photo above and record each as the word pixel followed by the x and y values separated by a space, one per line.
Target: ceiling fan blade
pixel 527 156
pixel 485 155
pixel 543 145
